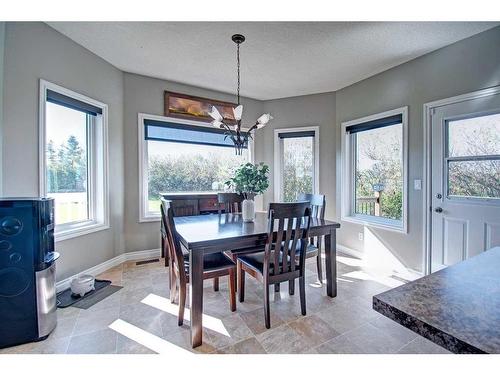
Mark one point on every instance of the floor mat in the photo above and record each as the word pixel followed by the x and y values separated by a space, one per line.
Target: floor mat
pixel 98 296
pixel 66 298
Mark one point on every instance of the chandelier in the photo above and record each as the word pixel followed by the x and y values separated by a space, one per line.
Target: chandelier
pixel 233 128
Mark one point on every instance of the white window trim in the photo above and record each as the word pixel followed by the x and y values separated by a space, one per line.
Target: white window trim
pixel 347 167
pixel 144 216
pixel 98 186
pixel 278 161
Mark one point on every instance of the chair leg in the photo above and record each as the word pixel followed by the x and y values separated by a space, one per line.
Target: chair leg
pixel 232 290
pixel 241 282
pixel 173 288
pixel 182 304
pixel 216 284
pixel 318 264
pixel 276 288
pixel 302 288
pixel 291 287
pixel 267 313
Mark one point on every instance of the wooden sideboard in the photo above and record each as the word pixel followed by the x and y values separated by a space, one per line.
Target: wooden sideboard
pixel 188 204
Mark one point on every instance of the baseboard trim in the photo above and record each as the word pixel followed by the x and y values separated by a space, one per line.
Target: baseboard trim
pixel 102 267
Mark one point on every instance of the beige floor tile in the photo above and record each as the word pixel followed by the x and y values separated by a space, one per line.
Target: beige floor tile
pixel 255 320
pixel 248 346
pixel 283 340
pixel 313 330
pixel 99 342
pixel 339 345
pixel 421 345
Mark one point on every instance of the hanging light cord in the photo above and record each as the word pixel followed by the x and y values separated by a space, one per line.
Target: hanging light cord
pixel 238 66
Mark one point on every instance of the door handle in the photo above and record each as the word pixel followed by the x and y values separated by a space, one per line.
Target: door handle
pixel 438 210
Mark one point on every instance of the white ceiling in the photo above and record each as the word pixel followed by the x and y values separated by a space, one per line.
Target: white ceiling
pixel 278 59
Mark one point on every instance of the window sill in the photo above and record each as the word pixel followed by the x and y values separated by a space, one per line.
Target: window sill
pixel 81 231
pixel 150 219
pixel 377 223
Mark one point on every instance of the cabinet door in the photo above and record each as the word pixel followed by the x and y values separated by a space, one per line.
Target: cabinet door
pixel 185 207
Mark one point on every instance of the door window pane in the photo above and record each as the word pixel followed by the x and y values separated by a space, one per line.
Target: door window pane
pixel 474 178
pixel 181 167
pixel 474 136
pixel 67 163
pixel 378 176
pixel 298 167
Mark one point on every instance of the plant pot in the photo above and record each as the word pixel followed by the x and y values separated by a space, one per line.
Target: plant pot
pixel 248 210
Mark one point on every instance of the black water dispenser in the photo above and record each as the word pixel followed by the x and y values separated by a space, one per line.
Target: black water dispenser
pixel 27 270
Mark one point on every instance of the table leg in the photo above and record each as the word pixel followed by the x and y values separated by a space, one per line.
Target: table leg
pixel 331 263
pixel 196 296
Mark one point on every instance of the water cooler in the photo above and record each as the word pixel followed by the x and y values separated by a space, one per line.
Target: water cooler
pixel 27 270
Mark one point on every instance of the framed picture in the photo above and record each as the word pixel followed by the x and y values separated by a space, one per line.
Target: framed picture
pixel 195 108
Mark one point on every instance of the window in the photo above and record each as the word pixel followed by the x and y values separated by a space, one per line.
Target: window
pixel 296 162
pixel 473 157
pixel 374 185
pixel 182 156
pixel 73 159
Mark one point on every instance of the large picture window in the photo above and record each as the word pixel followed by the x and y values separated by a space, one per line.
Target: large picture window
pixel 182 156
pixel 374 170
pixel 296 162
pixel 73 159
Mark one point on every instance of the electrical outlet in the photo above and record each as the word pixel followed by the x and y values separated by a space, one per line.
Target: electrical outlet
pixel 360 236
pixel 417 184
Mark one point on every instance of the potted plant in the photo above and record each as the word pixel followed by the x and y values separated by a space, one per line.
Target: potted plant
pixel 249 180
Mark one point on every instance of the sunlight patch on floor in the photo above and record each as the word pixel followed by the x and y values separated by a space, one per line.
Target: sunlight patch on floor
pixel 164 304
pixel 386 280
pixel 353 262
pixel 145 338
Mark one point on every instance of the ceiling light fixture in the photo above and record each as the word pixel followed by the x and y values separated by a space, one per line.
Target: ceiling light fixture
pixel 233 128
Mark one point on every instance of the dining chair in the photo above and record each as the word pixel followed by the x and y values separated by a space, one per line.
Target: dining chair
pixel 317 204
pixel 283 258
pixel 229 202
pixel 214 265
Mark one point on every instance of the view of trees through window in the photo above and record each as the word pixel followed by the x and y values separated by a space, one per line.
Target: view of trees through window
pixel 379 172
pixel 476 142
pixel 178 167
pixel 67 163
pixel 298 167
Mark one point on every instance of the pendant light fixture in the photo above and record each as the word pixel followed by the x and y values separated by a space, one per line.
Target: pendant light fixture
pixel 233 129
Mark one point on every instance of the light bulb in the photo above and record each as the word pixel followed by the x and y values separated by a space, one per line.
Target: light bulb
pixel 215 114
pixel 263 120
pixel 238 111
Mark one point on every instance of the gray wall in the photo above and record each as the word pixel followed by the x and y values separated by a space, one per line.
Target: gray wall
pixel 34 51
pixel 145 94
pixel 309 110
pixel 465 66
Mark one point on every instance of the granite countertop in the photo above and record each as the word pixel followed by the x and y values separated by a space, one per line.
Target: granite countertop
pixel 457 307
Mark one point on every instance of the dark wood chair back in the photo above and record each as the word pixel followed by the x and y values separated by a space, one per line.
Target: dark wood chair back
pixel 317 204
pixel 185 207
pixel 229 202
pixel 174 246
pixel 291 222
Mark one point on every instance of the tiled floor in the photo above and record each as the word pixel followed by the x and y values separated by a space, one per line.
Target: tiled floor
pixel 143 320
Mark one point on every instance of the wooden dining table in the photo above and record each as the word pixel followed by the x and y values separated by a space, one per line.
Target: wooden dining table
pixel 205 234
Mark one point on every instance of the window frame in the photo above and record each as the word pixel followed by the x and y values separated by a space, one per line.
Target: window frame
pixel 144 215
pixel 278 159
pixel 97 150
pixel 447 159
pixel 348 165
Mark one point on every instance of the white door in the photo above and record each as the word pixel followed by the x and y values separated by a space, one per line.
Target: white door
pixel 465 179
